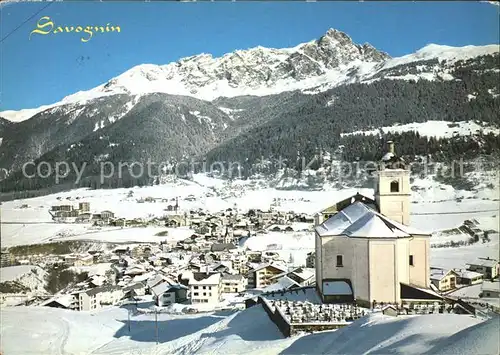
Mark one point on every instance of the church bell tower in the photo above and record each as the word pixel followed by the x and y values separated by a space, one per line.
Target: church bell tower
pixel 392 187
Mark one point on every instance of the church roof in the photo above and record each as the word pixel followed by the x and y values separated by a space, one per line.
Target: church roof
pixel 360 221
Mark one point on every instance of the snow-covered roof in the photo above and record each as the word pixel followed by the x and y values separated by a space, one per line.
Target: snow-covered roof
pixel 265 265
pixel 160 288
pixel 484 262
pixel 201 278
pixel 155 280
pixel 388 156
pixel 64 300
pixel 304 273
pixel 468 274
pixel 438 274
pixel 358 220
pixel 491 286
pixel 283 284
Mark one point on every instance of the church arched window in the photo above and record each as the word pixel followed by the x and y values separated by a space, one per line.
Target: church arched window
pixel 394 186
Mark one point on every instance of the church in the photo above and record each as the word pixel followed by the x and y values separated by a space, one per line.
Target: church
pixel 365 249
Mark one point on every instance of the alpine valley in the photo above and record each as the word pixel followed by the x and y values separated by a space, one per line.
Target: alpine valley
pixel 325 100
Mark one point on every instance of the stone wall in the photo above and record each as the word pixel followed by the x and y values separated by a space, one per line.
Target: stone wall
pixel 286 328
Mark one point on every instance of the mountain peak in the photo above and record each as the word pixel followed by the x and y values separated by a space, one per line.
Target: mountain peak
pixel 334 33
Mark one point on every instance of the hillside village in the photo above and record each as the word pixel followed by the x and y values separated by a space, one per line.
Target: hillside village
pixel 366 258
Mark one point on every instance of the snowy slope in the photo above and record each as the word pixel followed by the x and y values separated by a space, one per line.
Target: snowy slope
pixel 438 129
pixel 53 331
pixel 436 206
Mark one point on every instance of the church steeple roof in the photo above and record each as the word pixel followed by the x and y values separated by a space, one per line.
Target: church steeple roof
pixel 391 160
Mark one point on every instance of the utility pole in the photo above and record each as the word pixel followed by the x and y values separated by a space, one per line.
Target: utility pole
pixel 129 320
pixel 156 325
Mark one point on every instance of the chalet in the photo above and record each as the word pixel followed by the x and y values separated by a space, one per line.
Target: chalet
pixel 97 297
pixel 303 276
pixel 166 293
pixel 153 281
pixel 63 301
pixel 486 266
pixel 204 287
pixel 218 267
pixel 283 284
pixel 443 280
pixel 136 289
pixel 240 264
pixel 262 275
pixel 233 283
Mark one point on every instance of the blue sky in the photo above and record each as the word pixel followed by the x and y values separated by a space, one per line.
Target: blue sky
pixel 48 67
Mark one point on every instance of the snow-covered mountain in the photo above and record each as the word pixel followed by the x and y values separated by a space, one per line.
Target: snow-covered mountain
pixel 315 66
pixel 259 102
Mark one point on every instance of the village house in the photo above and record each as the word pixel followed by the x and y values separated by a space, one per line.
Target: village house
pixel 107 215
pixel 222 247
pixel 284 283
pixel 486 266
pixel 133 290
pixel 62 301
pixel 204 287
pixel 97 297
pixel 166 293
pixel 443 280
pixel 7 259
pixel 233 283
pixel 490 289
pixel 240 264
pixel 84 217
pixel 310 259
pixel 84 260
pixel 84 207
pixel 466 277
pixel 303 276
pixel 60 208
pixel 262 275
pixel 367 248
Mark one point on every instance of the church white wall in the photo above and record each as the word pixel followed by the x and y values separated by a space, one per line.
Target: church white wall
pixel 402 261
pixel 383 271
pixel 355 263
pixel 318 262
pixel 361 271
pixel 419 247
pixel 331 248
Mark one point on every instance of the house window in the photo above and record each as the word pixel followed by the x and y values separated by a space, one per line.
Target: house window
pixel 411 262
pixel 195 294
pixel 394 186
pixel 204 293
pixel 195 287
pixel 204 287
pixel 340 261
